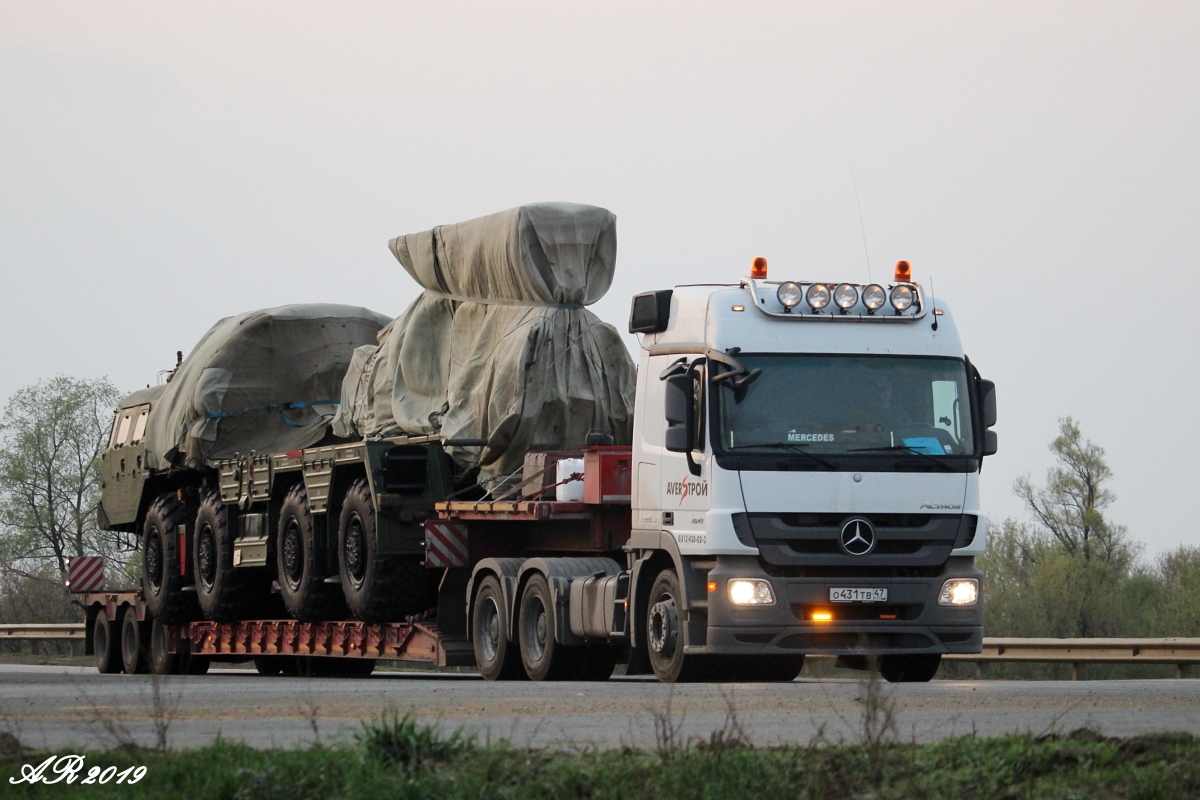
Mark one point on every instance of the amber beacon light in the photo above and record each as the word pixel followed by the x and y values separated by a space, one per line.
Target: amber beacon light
pixel 758 269
pixel 903 272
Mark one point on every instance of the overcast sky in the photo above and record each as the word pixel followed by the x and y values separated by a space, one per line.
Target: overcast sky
pixel 161 168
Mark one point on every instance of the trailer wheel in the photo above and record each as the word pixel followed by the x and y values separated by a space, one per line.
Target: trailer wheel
pixel 664 634
pixel 301 583
pixel 105 646
pixel 226 594
pixel 163 662
pixel 495 655
pixel 135 638
pixel 544 658
pixel 268 665
pixel 915 668
pixel 161 581
pixel 377 588
pixel 196 665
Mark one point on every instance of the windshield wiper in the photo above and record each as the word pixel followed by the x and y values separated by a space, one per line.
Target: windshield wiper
pixel 912 449
pixel 794 448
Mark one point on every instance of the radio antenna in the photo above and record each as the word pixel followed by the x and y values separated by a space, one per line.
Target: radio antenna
pixel 862 225
pixel 933 301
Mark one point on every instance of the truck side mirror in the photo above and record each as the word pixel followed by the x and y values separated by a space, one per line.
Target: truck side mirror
pixel 989 443
pixel 987 403
pixel 681 418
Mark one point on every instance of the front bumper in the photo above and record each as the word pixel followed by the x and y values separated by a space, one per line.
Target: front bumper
pixel 919 624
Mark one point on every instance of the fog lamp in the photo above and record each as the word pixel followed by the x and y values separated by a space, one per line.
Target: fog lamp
pixel 751 592
pixel 789 294
pixel 902 297
pixel 959 592
pixel 874 297
pixel 845 296
pixel 817 296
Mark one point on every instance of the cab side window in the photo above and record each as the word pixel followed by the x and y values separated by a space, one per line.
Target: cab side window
pixel 699 374
pixel 121 431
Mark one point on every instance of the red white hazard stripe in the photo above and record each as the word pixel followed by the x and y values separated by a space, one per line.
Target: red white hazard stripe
pixel 445 544
pixel 86 574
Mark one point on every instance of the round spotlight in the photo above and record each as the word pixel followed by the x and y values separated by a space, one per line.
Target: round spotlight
pixel 817 296
pixel 874 297
pixel 789 294
pixel 902 297
pixel 845 296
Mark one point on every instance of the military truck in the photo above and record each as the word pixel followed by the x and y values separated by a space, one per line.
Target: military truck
pixel 798 475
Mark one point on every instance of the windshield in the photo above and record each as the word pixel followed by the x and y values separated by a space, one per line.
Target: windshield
pixel 847 405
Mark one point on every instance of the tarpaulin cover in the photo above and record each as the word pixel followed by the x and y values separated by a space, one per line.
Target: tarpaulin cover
pixel 267 381
pixel 499 346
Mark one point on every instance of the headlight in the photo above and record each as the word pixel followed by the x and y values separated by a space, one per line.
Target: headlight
pixel 959 592
pixel 789 294
pixel 817 296
pixel 751 592
pixel 902 297
pixel 874 297
pixel 845 296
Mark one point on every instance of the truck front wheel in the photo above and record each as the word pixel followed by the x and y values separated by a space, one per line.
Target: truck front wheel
pixel 496 658
pixel 161 580
pixel 301 584
pixel 664 633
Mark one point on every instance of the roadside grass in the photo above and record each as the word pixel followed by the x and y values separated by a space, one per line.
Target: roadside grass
pixel 395 756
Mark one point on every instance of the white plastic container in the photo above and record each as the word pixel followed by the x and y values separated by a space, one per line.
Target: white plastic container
pixel 568 492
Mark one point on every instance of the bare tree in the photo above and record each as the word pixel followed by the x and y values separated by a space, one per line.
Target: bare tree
pixel 1071 505
pixel 51 439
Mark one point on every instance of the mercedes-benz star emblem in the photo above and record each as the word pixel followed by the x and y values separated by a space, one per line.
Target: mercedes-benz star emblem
pixel 857 537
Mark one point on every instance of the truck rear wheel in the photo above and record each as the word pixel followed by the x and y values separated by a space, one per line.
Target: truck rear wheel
pixel 915 668
pixel 105 645
pixel 135 640
pixel 301 583
pixel 664 634
pixel 226 594
pixel 377 588
pixel 544 658
pixel 496 656
pixel 161 582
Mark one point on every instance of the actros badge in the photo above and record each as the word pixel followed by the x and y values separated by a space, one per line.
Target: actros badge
pixel 857 537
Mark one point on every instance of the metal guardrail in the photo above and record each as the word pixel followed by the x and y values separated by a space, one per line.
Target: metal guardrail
pixel 65 632
pixel 1080 652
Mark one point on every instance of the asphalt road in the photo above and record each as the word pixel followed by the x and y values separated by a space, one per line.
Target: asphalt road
pixel 62 707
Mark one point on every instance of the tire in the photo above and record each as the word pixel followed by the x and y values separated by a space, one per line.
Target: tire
pixel 196 665
pixel 598 663
pixel 163 662
pixel 225 594
pixel 917 668
pixel 497 657
pixel 135 643
pixel 664 634
pixel 544 658
pixel 377 588
pixel 161 582
pixel 106 645
pixel 268 665
pixel 302 585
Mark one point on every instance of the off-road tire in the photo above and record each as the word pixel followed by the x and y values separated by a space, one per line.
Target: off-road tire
pixel 135 643
pixel 106 645
pixel 544 658
pixel 225 594
pixel 664 635
pixel 302 585
pixel 377 588
pixel 498 658
pixel 162 584
pixel 915 668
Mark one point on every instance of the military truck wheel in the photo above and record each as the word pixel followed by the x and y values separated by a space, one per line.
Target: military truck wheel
pixel 664 634
pixel 162 661
pixel 106 646
pixel 544 658
pixel 916 668
pixel 496 656
pixel 161 582
pixel 226 594
pixel 301 582
pixel 135 640
pixel 377 588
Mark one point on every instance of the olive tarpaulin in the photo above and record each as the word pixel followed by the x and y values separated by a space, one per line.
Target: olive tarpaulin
pixel 500 345
pixel 266 381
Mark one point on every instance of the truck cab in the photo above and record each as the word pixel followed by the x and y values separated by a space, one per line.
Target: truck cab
pixel 807 454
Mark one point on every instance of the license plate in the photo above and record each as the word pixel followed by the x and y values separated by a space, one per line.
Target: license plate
pixel 857 595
